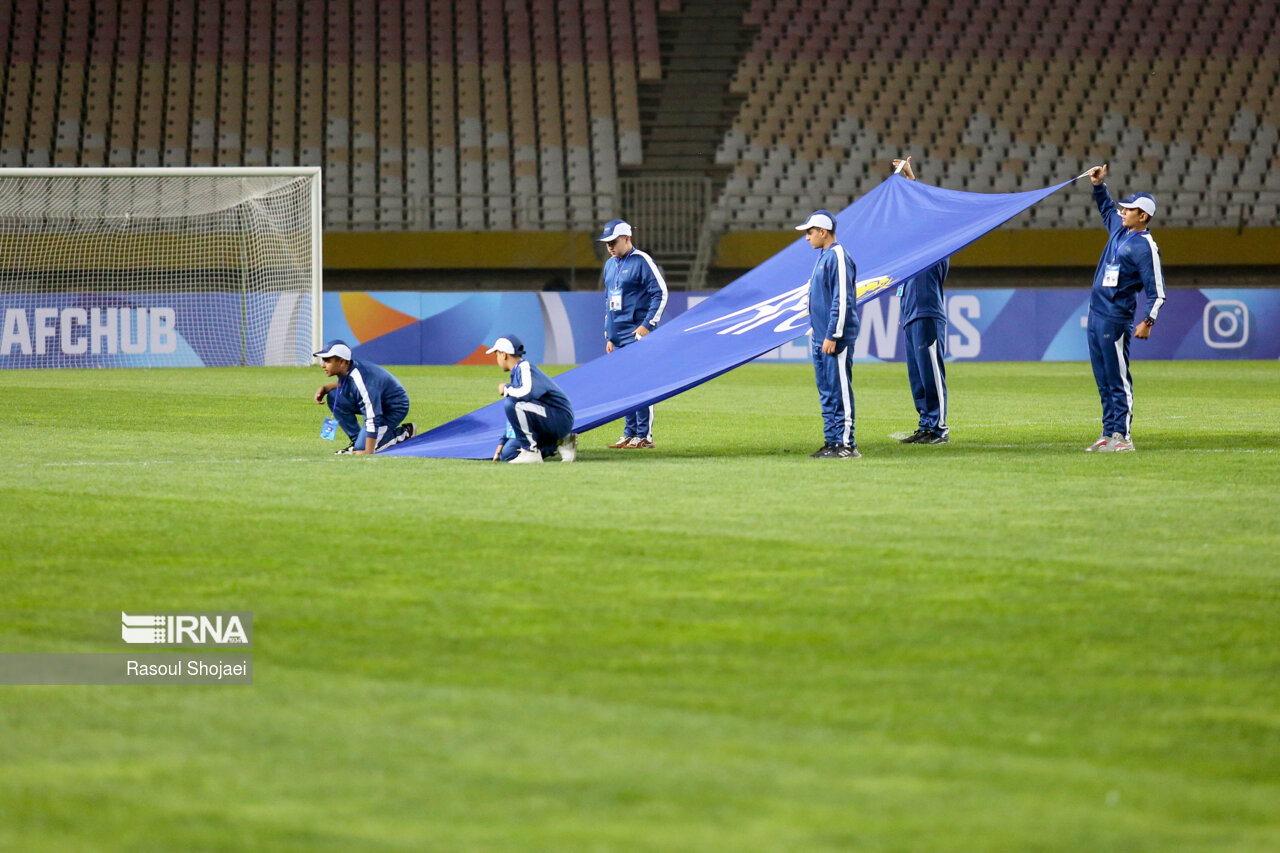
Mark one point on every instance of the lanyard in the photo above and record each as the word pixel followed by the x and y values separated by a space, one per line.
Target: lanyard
pixel 1115 256
pixel 616 284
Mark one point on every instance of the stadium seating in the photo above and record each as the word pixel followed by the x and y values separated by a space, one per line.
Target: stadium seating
pixel 511 114
pixel 1002 96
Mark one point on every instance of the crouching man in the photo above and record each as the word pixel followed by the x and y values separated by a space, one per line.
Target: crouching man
pixel 539 414
pixel 364 388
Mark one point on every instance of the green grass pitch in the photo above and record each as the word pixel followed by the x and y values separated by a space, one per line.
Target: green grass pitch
pixel 1001 644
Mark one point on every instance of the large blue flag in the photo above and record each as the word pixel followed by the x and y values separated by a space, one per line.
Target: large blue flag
pixel 894 232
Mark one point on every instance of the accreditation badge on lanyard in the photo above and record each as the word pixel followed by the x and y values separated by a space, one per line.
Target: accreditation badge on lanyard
pixel 615 300
pixel 1111 272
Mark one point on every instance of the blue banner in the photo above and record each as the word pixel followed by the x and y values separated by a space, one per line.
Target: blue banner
pixel 1047 324
pixel 894 232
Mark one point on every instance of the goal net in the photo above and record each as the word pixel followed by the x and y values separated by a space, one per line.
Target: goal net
pixel 159 267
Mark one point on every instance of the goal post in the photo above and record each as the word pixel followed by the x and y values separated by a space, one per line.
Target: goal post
pixel 160 267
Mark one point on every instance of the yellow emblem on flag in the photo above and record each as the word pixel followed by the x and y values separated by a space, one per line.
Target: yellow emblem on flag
pixel 872 286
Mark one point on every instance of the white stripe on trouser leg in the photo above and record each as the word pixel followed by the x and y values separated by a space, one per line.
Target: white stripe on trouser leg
pixel 522 410
pixel 650 435
pixel 938 387
pixel 1124 381
pixel 845 400
pixel 377 439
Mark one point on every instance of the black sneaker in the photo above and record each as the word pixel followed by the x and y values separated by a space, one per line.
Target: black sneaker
pixel 933 438
pixel 350 448
pixel 404 432
pixel 838 451
pixel 823 452
pixel 915 437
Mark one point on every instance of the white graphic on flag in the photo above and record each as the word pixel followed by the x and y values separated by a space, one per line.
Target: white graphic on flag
pixel 791 307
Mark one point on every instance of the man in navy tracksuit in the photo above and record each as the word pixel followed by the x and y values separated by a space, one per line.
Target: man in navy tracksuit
pixel 364 388
pixel 1129 263
pixel 539 414
pixel 833 316
pixel 635 296
pixel 924 322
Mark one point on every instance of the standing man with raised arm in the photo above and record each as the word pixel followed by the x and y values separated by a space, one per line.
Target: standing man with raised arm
pixel 924 322
pixel 635 294
pixel 1130 262
pixel 833 316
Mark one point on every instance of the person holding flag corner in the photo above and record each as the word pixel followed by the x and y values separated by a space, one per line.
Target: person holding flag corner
pixel 1130 263
pixel 924 325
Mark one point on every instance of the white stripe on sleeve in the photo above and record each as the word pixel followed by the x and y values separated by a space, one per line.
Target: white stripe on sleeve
pixel 369 424
pixel 523 381
pixel 842 289
pixel 1154 308
pixel 662 283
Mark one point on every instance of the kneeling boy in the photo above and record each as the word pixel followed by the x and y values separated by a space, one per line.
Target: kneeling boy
pixel 539 413
pixel 364 388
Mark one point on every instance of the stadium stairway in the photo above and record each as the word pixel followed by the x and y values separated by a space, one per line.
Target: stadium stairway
pixel 685 114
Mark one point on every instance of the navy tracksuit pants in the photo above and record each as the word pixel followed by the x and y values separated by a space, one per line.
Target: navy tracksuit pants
pixel 534 426
pixel 834 374
pixel 926 347
pixel 386 424
pixel 1109 353
pixel 637 424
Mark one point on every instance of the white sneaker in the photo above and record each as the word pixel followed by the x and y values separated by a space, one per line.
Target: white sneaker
pixel 569 448
pixel 1100 444
pixel 1120 443
pixel 526 456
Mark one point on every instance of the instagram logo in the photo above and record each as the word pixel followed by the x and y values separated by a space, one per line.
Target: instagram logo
pixel 1226 324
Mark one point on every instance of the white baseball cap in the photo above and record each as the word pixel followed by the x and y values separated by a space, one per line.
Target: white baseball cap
pixel 334 349
pixel 613 229
pixel 819 219
pixel 1145 202
pixel 510 344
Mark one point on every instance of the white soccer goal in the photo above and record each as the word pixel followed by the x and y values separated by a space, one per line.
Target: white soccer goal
pixel 156 267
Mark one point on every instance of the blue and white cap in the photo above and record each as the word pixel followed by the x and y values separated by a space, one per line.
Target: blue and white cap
pixel 335 348
pixel 613 229
pixel 509 344
pixel 819 219
pixel 1145 202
